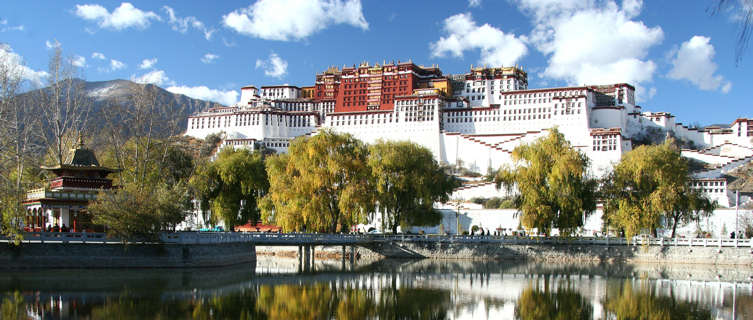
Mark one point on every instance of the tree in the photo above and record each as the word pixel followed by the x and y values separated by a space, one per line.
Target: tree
pixel 554 189
pixel 130 212
pixel 686 205
pixel 320 185
pixel 743 10
pixel 154 194
pixel 64 104
pixel 648 184
pixel 18 136
pixel 232 186
pixel 408 181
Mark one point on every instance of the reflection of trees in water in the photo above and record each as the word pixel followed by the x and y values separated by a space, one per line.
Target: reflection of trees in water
pixel 743 307
pixel 563 302
pixel 12 307
pixel 645 303
pixel 321 301
pixel 413 304
pixel 310 301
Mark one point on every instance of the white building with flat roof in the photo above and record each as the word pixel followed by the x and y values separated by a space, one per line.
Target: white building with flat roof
pixel 479 121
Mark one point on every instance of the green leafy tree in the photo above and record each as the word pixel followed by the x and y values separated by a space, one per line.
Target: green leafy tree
pixel 320 185
pixel 554 189
pixel 651 184
pixel 232 185
pixel 153 193
pixel 408 181
pixel 129 213
pixel 210 143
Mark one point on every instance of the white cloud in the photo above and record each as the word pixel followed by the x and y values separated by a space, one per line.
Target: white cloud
pixel 294 19
pixel 694 62
pixel 274 66
pixel 78 61
pixel 155 77
pixel 209 58
pixel 228 44
pixel 116 65
pixel 99 56
pixel 160 78
pixel 51 44
pixel 4 23
pixel 227 98
pixel 13 61
pixel 474 3
pixel 739 11
pixel 594 42
pixel 182 24
pixel 497 48
pixel 148 63
pixel 124 16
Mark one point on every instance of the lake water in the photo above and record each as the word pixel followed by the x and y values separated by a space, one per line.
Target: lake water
pixel 274 289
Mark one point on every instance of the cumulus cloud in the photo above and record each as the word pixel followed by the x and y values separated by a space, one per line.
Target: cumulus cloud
pixel 98 56
pixel 274 66
pixel 52 44
pixel 474 3
pixel 13 61
pixel 286 20
pixel 155 77
pixel 160 78
pixel 694 62
pixel 594 42
pixel 209 58
pixel 227 98
pixel 78 61
pixel 183 24
pixel 148 63
pixel 124 16
pixel 116 65
pixel 463 34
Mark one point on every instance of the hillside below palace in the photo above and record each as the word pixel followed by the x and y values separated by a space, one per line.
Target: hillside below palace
pixel 473 120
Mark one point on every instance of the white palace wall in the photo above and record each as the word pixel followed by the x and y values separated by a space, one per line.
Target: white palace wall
pixel 480 134
pixel 720 224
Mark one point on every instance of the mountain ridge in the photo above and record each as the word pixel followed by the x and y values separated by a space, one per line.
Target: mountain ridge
pixel 103 95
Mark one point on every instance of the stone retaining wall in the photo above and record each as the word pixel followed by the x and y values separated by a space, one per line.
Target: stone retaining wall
pixel 59 255
pixel 561 253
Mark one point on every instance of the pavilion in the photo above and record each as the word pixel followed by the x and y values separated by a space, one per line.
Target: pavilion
pixel 63 203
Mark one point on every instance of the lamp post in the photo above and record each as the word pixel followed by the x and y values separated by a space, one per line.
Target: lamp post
pixel 457 219
pixel 458 206
pixel 737 210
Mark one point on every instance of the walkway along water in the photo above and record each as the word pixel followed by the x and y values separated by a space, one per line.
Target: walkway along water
pixel 191 249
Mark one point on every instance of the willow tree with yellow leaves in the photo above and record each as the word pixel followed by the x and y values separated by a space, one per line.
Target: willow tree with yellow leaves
pixel 322 184
pixel 650 188
pixel 553 187
pixel 407 182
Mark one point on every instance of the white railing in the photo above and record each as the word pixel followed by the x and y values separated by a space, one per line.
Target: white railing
pixel 65 237
pixel 294 239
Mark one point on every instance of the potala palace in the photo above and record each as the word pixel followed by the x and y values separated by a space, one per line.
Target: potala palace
pixel 474 120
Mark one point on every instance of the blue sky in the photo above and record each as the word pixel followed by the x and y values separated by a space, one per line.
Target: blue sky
pixel 681 58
